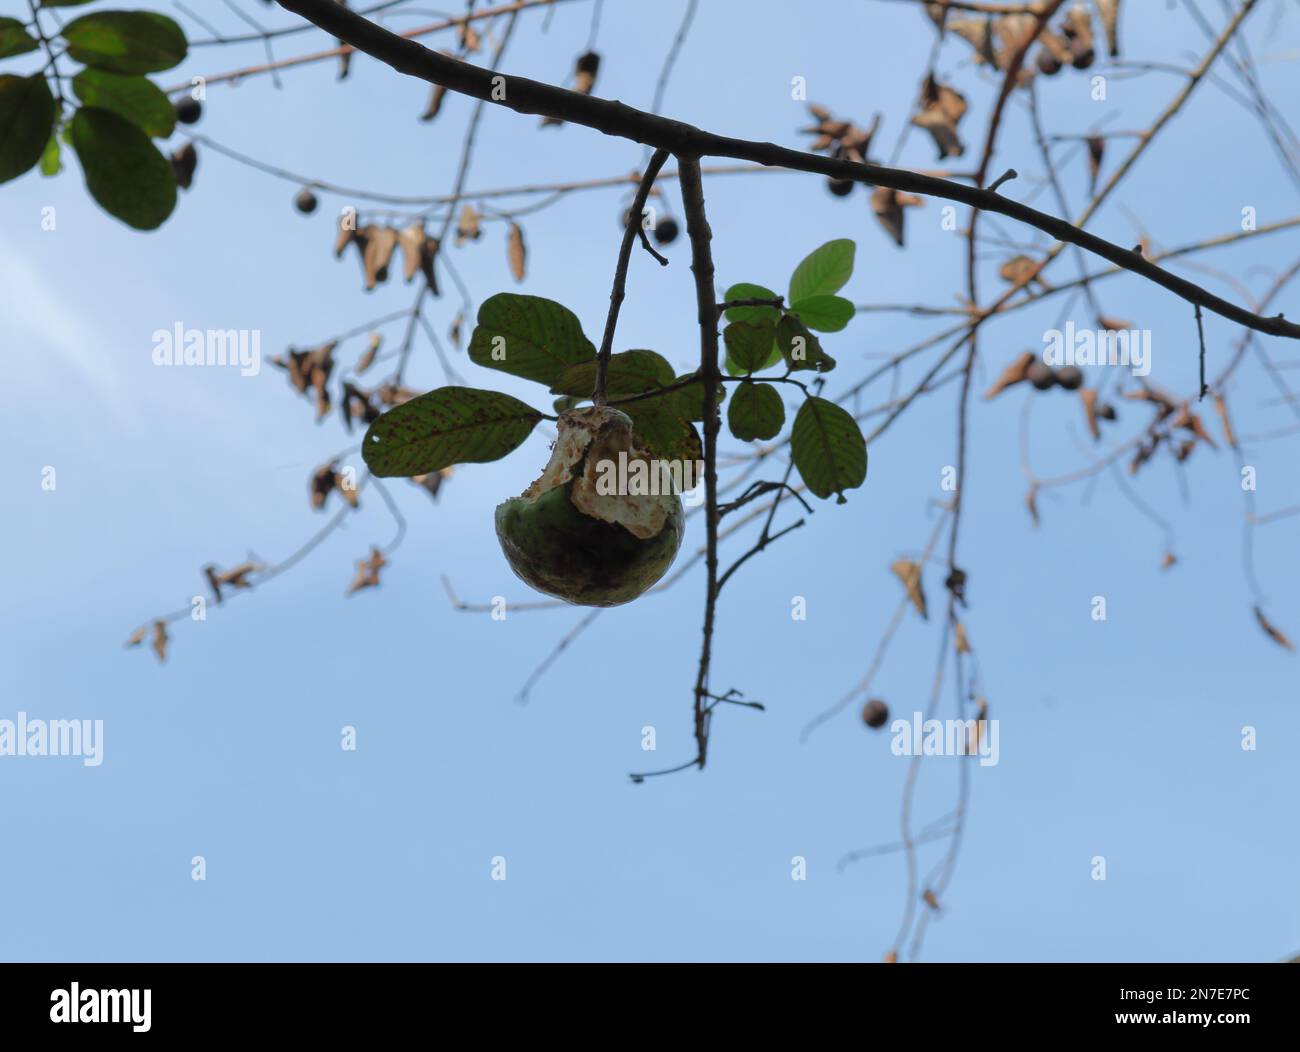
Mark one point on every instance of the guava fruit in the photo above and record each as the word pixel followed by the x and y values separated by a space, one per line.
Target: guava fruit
pixel 576 533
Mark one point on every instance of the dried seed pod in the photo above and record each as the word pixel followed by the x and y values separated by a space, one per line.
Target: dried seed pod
pixel 188 109
pixel 875 714
pixel 1070 377
pixel 1040 374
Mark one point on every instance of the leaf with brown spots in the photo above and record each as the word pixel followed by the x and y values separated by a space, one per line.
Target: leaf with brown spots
pixel 449 425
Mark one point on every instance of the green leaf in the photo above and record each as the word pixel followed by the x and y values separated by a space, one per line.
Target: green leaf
pixel 26 122
pixel 124 171
pixel 749 344
pixel 126 41
pixel 449 425
pixel 824 313
pixel 800 348
pixel 629 373
pixel 51 161
pixel 14 39
pixel 828 448
pixel 565 402
pixel 689 400
pixel 746 291
pixel 663 431
pixel 136 98
pixel 823 272
pixel 756 411
pixel 528 336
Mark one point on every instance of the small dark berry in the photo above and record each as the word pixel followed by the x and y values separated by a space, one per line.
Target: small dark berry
pixel 1048 63
pixel 839 187
pixel 666 231
pixel 305 202
pixel 188 110
pixel 875 713
pixel 1070 377
pixel 1040 374
pixel 1106 412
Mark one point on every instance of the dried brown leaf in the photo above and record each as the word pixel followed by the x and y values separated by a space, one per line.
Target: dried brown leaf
pixel 381 242
pixel 367 358
pixel 910 574
pixel 1108 10
pixel 1088 395
pixel 1221 407
pixel 1272 631
pixel 942 107
pixel 468 224
pixel 516 252
pixel 1012 374
pixel 888 206
pixel 367 575
pixel 160 640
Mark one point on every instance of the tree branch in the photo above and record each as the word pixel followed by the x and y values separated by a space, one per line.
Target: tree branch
pixel 615 118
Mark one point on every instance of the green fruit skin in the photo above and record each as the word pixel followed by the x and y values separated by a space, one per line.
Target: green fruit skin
pixel 558 550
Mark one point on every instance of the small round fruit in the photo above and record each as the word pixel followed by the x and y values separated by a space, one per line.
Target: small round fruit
pixel 875 714
pixel 568 536
pixel 666 230
pixel 188 110
pixel 1083 54
pixel 1070 377
pixel 1048 63
pixel 305 201
pixel 1040 374
pixel 839 187
pixel 1107 411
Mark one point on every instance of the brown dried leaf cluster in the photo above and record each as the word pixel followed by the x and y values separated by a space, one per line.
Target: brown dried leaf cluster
pixel 367 575
pixel 310 371
pixel 376 245
pixel 327 479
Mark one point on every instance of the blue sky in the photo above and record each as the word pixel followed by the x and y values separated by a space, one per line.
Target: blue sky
pixel 1119 739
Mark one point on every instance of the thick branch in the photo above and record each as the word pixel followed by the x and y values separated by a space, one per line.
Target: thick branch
pixel 697 226
pixel 614 118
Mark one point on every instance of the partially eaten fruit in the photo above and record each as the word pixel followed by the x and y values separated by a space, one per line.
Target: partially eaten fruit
pixel 577 533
